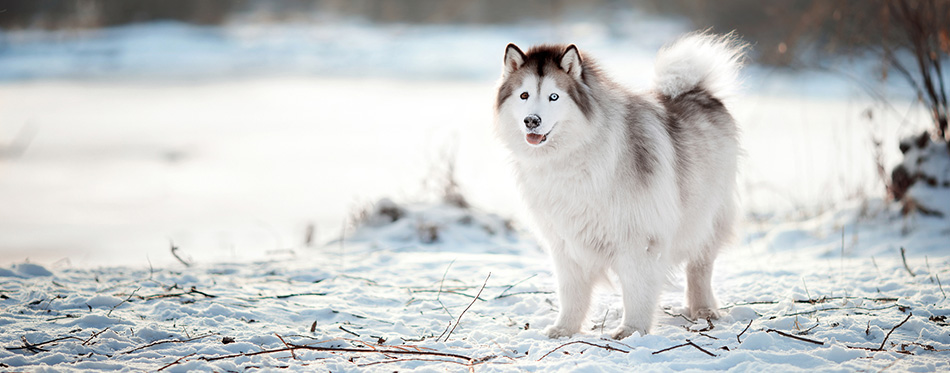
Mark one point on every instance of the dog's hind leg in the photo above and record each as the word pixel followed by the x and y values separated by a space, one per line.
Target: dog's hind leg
pixel 574 286
pixel 699 294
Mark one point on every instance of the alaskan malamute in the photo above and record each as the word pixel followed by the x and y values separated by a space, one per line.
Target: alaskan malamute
pixel 633 182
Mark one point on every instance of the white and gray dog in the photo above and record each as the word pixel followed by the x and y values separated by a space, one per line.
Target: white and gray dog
pixel 633 182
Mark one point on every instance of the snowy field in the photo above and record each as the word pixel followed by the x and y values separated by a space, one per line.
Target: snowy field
pixel 261 172
pixel 449 289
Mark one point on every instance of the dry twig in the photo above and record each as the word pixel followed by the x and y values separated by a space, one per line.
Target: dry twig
pixel 743 331
pixel 792 336
pixel 156 343
pixel 292 354
pixel 120 303
pixel 892 330
pixel 338 349
pixel 502 295
pixel 176 361
pixel 688 343
pixel 191 291
pixel 523 293
pixel 348 331
pixel 94 335
pixel 35 347
pixel 459 320
pixel 606 347
pixel 904 259
pixel 174 250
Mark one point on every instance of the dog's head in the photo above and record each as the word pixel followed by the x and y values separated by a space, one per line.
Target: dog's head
pixel 543 103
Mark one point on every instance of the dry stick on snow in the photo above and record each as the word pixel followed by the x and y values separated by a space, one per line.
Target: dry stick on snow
pixel 678 315
pixel 881 347
pixel 444 331
pixel 438 296
pixel 792 336
pixel 404 360
pixel 838 309
pixel 926 347
pixel 892 330
pixel 120 303
pixel 446 292
pixel 193 290
pixel 34 347
pixel 337 349
pixel 941 286
pixel 709 326
pixel 466 308
pixel 606 347
pixel 292 354
pixel 523 293
pixel 176 361
pixel 904 259
pixel 30 347
pixel 348 331
pixel 743 331
pixel 822 299
pixel 688 343
pixel 285 296
pixel 502 295
pixel 700 348
pixel 94 335
pixel 174 250
pixel 156 343
pixel 669 348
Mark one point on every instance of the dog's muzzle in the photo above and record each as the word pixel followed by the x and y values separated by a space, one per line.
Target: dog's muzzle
pixel 532 121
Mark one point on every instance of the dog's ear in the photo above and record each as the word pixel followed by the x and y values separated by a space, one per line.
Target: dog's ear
pixel 514 58
pixel 571 62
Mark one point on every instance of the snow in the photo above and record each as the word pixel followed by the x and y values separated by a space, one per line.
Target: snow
pixel 386 287
pixel 147 149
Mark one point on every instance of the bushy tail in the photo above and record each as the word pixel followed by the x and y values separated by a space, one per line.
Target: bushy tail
pixel 699 60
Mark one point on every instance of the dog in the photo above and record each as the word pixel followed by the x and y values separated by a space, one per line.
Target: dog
pixel 636 183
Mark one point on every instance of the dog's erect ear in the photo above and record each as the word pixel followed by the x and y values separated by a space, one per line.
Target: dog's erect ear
pixel 514 58
pixel 571 62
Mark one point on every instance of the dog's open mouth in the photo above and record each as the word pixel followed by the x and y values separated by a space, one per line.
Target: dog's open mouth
pixel 535 138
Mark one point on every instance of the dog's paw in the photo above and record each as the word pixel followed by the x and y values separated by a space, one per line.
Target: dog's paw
pixel 624 332
pixel 555 332
pixel 704 314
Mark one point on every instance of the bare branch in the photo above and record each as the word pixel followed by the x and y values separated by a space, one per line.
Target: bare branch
pixel 743 331
pixel 792 336
pixel 892 330
pixel 904 259
pixel 459 320
pixel 606 347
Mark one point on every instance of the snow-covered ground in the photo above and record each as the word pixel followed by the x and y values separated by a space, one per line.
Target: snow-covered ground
pixel 263 136
pixel 443 288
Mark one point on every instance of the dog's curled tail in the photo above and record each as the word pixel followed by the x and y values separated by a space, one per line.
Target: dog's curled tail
pixel 700 60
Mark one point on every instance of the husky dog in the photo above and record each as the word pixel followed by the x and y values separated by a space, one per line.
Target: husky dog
pixel 636 183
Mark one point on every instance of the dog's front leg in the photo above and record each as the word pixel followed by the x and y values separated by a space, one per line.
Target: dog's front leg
pixel 641 277
pixel 574 286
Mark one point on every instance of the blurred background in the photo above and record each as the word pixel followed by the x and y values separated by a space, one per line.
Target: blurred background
pixel 248 129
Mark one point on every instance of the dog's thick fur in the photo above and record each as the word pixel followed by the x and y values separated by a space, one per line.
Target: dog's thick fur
pixel 636 183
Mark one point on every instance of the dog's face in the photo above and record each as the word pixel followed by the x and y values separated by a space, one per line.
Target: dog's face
pixel 542 102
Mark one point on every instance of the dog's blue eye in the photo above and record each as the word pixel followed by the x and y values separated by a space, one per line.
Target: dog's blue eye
pixel 553 97
pixel 524 95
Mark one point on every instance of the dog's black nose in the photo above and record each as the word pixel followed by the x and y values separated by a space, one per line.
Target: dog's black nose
pixel 532 121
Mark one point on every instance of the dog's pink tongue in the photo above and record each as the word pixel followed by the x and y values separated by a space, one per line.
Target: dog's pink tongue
pixel 534 139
